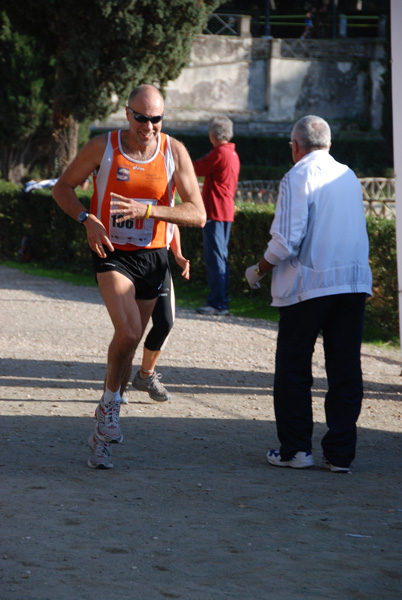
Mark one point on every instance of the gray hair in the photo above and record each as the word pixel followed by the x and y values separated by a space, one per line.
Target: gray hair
pixel 312 132
pixel 221 128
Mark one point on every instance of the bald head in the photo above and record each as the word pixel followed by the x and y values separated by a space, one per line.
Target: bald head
pixel 145 90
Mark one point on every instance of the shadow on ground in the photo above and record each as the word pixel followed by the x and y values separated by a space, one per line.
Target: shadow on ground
pixel 193 511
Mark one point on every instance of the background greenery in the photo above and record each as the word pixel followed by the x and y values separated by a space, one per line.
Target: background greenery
pixel 64 62
pixel 54 85
pixel 269 157
pixel 58 242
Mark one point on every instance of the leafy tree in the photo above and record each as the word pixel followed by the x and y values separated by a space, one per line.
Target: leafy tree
pixel 24 109
pixel 102 47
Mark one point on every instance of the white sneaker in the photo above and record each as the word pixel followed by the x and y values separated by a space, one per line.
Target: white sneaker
pixel 107 428
pixel 301 460
pixel 325 464
pixel 101 456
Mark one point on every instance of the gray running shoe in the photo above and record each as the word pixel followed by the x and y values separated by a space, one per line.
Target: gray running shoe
pixel 101 456
pixel 107 428
pixel 152 385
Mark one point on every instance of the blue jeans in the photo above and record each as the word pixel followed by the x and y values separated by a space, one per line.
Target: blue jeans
pixel 215 237
pixel 340 318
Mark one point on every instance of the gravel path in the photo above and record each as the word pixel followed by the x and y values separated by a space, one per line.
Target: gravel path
pixel 191 509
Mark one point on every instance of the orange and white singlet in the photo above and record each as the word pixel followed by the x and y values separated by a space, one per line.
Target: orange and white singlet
pixel 149 181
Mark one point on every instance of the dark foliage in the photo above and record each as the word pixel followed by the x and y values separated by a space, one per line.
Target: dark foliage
pixel 55 240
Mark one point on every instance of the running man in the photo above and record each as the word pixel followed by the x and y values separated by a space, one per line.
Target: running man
pixel 128 226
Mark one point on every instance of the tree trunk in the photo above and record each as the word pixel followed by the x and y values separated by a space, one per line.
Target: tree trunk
pixel 15 162
pixel 65 138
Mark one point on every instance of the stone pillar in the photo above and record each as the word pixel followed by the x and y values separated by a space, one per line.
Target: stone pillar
pixel 245 22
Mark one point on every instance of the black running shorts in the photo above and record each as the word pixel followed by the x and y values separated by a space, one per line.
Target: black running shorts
pixel 145 268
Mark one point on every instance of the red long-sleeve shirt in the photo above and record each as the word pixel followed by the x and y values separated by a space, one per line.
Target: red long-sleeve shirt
pixel 220 169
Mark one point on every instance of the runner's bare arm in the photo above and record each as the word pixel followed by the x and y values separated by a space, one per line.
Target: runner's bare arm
pixel 190 213
pixel 86 161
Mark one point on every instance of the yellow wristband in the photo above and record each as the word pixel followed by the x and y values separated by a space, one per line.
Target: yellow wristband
pixel 148 211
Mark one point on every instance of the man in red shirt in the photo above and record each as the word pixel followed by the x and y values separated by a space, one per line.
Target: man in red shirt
pixel 220 169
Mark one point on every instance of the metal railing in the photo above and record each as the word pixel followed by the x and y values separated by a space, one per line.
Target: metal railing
pixel 378 194
pixel 221 24
pixel 231 24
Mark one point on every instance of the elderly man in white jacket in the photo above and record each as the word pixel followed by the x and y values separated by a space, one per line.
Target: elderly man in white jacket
pixel 319 254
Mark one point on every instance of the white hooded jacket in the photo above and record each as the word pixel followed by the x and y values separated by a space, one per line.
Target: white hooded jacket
pixel 319 242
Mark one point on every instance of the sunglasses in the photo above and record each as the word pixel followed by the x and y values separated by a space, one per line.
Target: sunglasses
pixel 143 118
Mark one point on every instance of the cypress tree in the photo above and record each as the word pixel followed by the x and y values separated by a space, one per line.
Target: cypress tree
pixel 102 47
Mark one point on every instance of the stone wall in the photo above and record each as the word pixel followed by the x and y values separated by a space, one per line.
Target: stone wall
pixel 266 84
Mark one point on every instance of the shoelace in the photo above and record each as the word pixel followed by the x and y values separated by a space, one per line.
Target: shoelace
pixel 112 414
pixel 102 449
pixel 156 384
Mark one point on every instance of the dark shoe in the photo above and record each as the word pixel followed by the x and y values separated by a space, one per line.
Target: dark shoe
pixel 210 310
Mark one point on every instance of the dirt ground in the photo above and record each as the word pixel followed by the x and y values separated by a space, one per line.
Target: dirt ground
pixel 191 509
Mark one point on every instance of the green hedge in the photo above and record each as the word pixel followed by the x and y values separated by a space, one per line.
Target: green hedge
pixel 382 308
pixel 55 239
pixel 58 241
pixel 249 236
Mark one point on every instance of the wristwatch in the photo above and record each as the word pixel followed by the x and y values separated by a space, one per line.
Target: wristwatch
pixel 83 216
pixel 258 271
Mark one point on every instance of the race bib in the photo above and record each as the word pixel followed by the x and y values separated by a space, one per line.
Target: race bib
pixel 133 231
